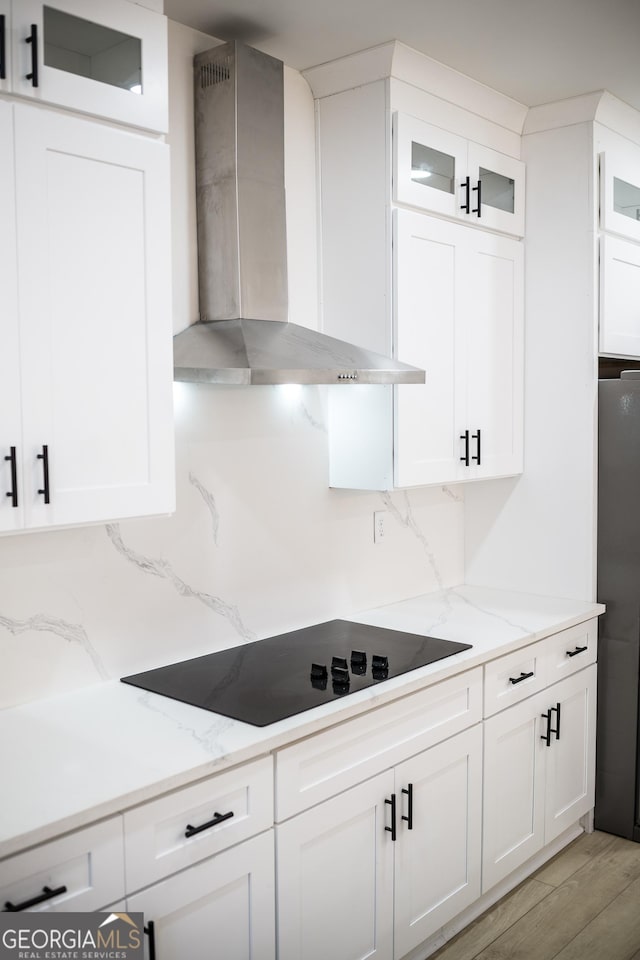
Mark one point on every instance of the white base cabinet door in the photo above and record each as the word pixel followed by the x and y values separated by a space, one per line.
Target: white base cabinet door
pixel 220 908
pixel 95 328
pixel 335 877
pixel 438 853
pixel 539 774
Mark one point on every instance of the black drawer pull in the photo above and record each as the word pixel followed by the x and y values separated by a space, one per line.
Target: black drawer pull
pixel 13 493
pixel 217 818
pixel 466 186
pixel 33 40
pixel 47 894
pixel 574 653
pixel 465 458
pixel 44 456
pixel 477 456
pixel 478 190
pixel 151 933
pixel 392 828
pixel 523 676
pixel 3 47
pixel 547 736
pixel 555 729
pixel 409 816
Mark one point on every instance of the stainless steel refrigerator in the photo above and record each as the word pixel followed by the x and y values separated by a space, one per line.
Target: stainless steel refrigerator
pixel 618 758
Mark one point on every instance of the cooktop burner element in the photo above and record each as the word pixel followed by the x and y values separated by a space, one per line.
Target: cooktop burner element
pixel 266 681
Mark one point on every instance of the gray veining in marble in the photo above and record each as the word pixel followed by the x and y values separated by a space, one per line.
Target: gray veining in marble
pixel 71 632
pixel 162 568
pixel 210 502
pixel 208 738
pixel 488 613
pixel 308 416
pixel 410 523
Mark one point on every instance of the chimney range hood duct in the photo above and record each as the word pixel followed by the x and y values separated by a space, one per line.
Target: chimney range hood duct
pixel 244 336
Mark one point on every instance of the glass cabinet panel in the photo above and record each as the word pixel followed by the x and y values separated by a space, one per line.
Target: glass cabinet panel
pixel 432 168
pixel 497 190
pixel 626 199
pixel 91 50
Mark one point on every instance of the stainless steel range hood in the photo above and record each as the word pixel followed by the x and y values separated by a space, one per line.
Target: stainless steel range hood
pixel 244 336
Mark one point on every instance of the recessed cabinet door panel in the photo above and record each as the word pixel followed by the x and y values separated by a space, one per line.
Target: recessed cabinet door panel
pixel 223 907
pixel 493 309
pixel 513 828
pixel 107 59
pixel 335 878
pixel 95 321
pixel 11 499
pixel 571 757
pixel 437 868
pixel 620 192
pixel 619 297
pixel 429 258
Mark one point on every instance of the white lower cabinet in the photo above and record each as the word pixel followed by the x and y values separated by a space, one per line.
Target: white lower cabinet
pixel 539 772
pixel 376 870
pixel 221 907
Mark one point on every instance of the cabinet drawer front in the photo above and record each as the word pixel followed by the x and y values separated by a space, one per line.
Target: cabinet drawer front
pixel 88 863
pixel 322 766
pixel 510 679
pixel 571 650
pixel 217 813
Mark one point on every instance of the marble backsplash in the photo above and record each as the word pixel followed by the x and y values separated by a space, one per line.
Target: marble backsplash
pixel 259 544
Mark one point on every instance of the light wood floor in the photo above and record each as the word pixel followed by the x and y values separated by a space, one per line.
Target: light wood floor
pixel 582 905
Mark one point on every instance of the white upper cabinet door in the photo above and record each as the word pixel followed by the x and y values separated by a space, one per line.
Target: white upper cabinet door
pixel 108 59
pixel 429 163
pixel 444 173
pixel 619 297
pixel 429 333
pixel 94 280
pixel 497 184
pixel 620 192
pixel 492 300
pixel 11 499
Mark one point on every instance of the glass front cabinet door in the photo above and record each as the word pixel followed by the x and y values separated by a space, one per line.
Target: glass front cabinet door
pixel 620 192
pixel 444 173
pixel 108 59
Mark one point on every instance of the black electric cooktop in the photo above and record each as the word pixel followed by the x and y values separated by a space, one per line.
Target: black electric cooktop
pixel 271 679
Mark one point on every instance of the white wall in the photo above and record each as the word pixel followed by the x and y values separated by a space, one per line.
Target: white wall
pixel 259 544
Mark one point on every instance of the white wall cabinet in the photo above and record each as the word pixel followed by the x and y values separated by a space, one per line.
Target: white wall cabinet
pixel 620 191
pixel 94 357
pixel 441 172
pixel 619 297
pixel 105 59
pixel 539 775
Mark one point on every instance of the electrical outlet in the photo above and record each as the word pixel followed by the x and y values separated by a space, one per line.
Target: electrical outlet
pixel 379 525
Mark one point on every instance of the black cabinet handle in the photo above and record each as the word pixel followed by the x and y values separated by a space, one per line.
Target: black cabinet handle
pixel 465 457
pixel 478 190
pixel 547 736
pixel 477 456
pixel 572 653
pixel 392 828
pixel 33 40
pixel 47 894
pixel 523 676
pixel 466 186
pixel 44 456
pixel 3 47
pixel 217 818
pixel 151 933
pixel 555 729
pixel 13 493
pixel 409 816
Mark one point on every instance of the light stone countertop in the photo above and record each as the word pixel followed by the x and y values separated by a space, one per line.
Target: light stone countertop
pixel 68 761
